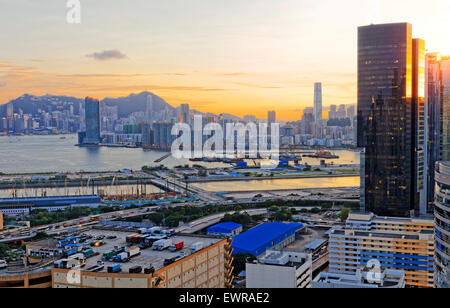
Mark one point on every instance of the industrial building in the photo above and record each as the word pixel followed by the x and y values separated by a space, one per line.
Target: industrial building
pixel 225 229
pixel 389 279
pixel 23 206
pixel 207 267
pixel 265 236
pixel 285 268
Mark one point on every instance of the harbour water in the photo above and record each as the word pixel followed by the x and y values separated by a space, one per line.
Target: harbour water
pixel 34 154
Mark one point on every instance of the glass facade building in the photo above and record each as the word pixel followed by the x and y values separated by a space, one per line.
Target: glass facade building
pixel 92 109
pixel 391 73
pixel 442 225
pixel 438 117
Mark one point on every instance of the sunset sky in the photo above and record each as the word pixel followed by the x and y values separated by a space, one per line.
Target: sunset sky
pixel 235 56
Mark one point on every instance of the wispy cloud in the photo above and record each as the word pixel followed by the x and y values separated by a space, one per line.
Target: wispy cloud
pixel 107 55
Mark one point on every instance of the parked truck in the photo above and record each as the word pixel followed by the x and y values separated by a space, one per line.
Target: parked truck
pixel 196 247
pixel 88 253
pixel 133 251
pixel 96 268
pixel 130 238
pixel 115 268
pixel 162 244
pixel 121 257
pixel 176 246
pixel 108 255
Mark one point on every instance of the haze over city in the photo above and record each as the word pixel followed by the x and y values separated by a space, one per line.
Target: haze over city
pixel 239 57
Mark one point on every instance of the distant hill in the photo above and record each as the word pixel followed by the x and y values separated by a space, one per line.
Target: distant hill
pixel 137 102
pixel 30 104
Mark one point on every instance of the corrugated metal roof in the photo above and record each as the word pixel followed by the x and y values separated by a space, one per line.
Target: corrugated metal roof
pixel 256 240
pixel 224 227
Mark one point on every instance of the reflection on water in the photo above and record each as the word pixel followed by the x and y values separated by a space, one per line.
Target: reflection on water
pixel 52 154
pixel 255 185
pixel 116 190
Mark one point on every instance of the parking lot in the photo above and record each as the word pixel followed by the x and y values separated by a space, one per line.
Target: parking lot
pixel 148 256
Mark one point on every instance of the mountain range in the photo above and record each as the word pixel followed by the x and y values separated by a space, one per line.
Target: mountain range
pixel 31 104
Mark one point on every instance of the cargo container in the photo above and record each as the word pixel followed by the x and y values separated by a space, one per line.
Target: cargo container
pixel 130 237
pixel 115 268
pixel 133 251
pixel 149 270
pixel 162 244
pixel 121 257
pixel 196 247
pixel 135 269
pixel 176 246
pixel 88 253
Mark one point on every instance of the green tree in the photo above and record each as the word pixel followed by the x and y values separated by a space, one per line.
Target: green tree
pixel 344 214
pixel 239 261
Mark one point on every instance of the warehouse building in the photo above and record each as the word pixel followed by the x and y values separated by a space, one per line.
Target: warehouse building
pixel 266 236
pixel 225 229
pixel 23 206
pixel 280 269
pixel 207 267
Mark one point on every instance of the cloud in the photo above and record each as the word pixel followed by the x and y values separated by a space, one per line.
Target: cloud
pixel 2 84
pixel 107 55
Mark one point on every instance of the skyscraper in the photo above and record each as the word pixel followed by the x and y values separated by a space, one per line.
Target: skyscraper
pixel 388 109
pixel 318 102
pixel 149 109
pixel 271 118
pixel 185 113
pixel 442 215
pixel 92 110
pixel 437 118
pixel 333 112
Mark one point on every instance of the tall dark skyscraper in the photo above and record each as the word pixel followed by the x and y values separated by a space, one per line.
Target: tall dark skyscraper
pixel 92 109
pixel 390 73
pixel 438 118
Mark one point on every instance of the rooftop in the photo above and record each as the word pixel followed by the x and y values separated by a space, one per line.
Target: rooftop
pixel 224 227
pixel 148 257
pixel 261 237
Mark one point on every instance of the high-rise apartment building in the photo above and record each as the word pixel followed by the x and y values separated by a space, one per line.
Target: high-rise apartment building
pixel 318 102
pixel 390 100
pixel 389 243
pixel 333 112
pixel 185 116
pixel 149 110
pixel 92 110
pixel 442 226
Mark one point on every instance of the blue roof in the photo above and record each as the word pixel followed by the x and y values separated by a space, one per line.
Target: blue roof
pixel 260 238
pixel 224 227
pixel 53 200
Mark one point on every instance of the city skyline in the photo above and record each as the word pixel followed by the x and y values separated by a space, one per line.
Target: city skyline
pixel 247 60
